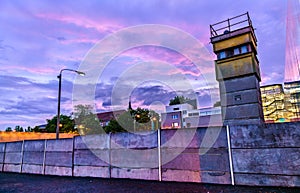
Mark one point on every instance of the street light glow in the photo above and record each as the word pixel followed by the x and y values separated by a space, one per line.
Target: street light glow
pixel 80 73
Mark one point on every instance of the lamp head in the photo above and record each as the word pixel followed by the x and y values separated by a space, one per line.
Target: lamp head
pixel 80 73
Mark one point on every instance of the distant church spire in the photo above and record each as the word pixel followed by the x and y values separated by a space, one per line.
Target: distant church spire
pixel 129 104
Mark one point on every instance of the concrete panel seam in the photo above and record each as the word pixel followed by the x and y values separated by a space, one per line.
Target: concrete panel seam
pixel 265 174
pixel 4 153
pixel 44 158
pixel 109 154
pixel 260 148
pixel 174 169
pixel 249 103
pixel 73 150
pixel 22 155
pixel 159 154
pixel 230 155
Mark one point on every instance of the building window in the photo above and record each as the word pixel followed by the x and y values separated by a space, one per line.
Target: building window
pixel 176 109
pixel 174 116
pixel 221 55
pixel 234 51
pixel 244 49
pixel 193 114
pixel 184 112
pixel 237 97
pixel 175 124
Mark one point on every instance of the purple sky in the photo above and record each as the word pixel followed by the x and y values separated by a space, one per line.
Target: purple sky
pixel 39 38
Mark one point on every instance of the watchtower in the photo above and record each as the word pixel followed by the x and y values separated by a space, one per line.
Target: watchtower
pixel 237 70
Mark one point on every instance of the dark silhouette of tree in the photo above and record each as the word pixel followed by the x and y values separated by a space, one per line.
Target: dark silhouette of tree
pixel 139 120
pixel 86 121
pixel 179 100
pixel 36 129
pixel 114 127
pixel 8 129
pixel 29 129
pixel 66 124
pixel 18 128
pixel 217 104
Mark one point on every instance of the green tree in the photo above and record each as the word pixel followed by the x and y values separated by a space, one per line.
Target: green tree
pixel 86 121
pixel 179 100
pixel 217 104
pixel 66 125
pixel 37 129
pixel 145 119
pixel 114 127
pixel 139 120
pixel 8 129
pixel 18 128
pixel 29 129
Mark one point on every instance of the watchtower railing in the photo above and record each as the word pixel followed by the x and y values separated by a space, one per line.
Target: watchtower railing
pixel 230 24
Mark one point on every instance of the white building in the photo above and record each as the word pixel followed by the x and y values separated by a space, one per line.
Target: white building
pixel 186 116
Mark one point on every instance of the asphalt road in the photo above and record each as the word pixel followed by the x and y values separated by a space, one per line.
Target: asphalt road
pixel 12 182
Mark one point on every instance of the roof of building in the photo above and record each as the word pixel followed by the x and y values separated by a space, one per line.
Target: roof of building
pixel 271 85
pixel 107 116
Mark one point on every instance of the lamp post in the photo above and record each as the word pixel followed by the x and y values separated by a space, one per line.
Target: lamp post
pixel 59 96
pixel 134 122
pixel 153 123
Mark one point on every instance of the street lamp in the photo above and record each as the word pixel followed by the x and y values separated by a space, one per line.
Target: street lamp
pixel 134 121
pixel 153 123
pixel 59 95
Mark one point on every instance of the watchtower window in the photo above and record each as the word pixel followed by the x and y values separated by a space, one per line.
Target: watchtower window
pixel 221 55
pixel 244 49
pixel 234 51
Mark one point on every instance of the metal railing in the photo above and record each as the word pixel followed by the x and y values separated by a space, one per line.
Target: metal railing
pixel 230 24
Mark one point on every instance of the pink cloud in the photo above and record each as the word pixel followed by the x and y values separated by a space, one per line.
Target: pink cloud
pixel 35 70
pixel 103 25
pixel 183 65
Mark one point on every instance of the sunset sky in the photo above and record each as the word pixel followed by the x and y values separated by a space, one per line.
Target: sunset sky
pixel 39 38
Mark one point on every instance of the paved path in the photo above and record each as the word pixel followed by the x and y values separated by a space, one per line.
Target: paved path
pixel 12 182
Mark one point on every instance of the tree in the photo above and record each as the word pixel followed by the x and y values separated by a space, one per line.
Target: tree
pixel 18 128
pixel 36 129
pixel 179 100
pixel 29 129
pixel 217 104
pixel 138 120
pixel 144 119
pixel 66 124
pixel 141 115
pixel 122 123
pixel 8 129
pixel 86 121
pixel 114 127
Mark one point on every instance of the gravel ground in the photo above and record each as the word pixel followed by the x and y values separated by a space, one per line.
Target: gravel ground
pixel 13 182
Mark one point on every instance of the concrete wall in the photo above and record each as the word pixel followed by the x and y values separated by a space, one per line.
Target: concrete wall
pixel 88 151
pixel 266 155
pixel 134 156
pixel 196 162
pixel 59 157
pixel 2 155
pixel 262 155
pixel 34 157
pixel 13 157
